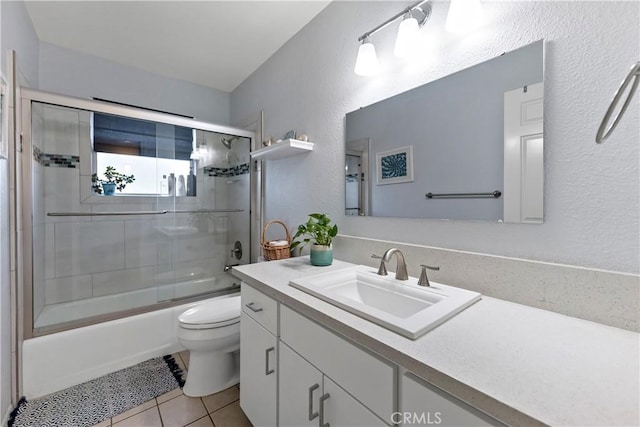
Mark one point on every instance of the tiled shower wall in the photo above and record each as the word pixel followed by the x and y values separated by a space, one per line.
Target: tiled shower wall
pixel 83 257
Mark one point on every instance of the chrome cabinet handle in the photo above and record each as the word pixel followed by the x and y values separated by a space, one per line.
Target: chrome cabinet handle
pixel 312 415
pixel 252 308
pixel 322 399
pixel 268 371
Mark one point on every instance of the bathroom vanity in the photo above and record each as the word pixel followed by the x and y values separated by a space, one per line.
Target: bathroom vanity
pixel 307 362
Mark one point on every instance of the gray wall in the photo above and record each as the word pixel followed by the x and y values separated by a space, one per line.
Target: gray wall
pixel 591 191
pixel 18 34
pixel 85 76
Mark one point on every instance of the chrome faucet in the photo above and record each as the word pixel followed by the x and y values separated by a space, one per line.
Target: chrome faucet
pixel 424 280
pixel 228 267
pixel 401 267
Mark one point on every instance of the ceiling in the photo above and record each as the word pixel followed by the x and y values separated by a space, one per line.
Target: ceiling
pixel 212 43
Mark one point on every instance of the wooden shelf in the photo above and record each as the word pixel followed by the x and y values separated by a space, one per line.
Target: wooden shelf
pixel 286 148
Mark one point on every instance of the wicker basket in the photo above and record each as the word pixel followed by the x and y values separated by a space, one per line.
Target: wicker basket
pixel 272 253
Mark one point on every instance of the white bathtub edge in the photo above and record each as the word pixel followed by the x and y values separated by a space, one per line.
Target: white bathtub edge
pixel 57 361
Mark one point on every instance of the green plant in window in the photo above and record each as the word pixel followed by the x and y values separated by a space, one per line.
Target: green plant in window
pixel 111 176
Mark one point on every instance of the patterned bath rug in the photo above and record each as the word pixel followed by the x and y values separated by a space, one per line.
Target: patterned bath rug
pixel 89 403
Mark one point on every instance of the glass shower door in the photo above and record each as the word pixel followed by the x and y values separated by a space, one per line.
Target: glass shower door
pixel 166 237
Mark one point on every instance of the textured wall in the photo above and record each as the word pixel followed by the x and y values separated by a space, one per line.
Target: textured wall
pixel 591 191
pixel 76 74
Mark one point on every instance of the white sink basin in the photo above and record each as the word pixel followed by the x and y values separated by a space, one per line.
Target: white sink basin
pixel 398 305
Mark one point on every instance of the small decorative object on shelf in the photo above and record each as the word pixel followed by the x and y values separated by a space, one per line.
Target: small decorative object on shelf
pixel 318 230
pixel 275 249
pixel 268 142
pixel 302 137
pixel 289 135
pixel 112 180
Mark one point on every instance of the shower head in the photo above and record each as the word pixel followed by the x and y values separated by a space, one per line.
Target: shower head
pixel 227 142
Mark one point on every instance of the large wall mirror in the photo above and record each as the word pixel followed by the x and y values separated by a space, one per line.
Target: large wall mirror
pixel 468 146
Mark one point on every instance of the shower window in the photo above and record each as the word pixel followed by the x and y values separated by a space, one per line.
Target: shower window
pixel 156 154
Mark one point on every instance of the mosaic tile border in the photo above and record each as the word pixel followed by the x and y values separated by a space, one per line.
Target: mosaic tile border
pixel 56 160
pixel 227 172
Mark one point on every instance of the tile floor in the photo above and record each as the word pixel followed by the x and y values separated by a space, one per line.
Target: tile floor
pixel 174 409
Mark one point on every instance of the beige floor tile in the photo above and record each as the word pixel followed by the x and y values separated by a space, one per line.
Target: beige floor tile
pixel 216 401
pixel 170 395
pixel 105 423
pixel 181 411
pixel 230 416
pixel 148 418
pixel 202 422
pixel 133 411
pixel 184 355
pixel 179 360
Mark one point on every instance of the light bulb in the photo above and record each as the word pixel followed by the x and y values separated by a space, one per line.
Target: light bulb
pixel 408 32
pixel 464 15
pixel 367 61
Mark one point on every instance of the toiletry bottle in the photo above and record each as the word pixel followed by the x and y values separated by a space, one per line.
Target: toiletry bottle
pixel 164 185
pixel 172 184
pixel 191 180
pixel 191 185
pixel 181 188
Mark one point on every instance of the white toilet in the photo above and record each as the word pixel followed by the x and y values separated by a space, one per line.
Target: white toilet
pixel 211 333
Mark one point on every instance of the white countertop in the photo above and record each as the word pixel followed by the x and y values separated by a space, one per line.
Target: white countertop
pixel 520 364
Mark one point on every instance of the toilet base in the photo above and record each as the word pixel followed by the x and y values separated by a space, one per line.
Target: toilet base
pixel 210 372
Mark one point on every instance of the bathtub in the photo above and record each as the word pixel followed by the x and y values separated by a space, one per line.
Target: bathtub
pixel 54 314
pixel 57 361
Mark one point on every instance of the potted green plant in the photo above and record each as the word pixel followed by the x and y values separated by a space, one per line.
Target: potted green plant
pixel 112 180
pixel 318 229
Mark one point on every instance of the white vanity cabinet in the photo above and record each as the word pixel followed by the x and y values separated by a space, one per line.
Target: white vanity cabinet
pixel 295 372
pixel 309 398
pixel 360 386
pixel 422 404
pixel 258 357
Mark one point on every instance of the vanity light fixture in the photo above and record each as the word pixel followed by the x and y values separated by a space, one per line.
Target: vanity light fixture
pixel 408 33
pixel 464 15
pixel 367 61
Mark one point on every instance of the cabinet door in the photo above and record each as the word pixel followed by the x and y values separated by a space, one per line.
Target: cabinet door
pixel 424 404
pixel 299 390
pixel 258 385
pixel 338 408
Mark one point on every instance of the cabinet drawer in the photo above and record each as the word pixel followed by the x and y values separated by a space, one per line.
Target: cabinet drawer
pixel 366 377
pixel 260 307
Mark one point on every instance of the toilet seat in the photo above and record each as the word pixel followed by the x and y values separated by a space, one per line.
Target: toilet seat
pixel 213 314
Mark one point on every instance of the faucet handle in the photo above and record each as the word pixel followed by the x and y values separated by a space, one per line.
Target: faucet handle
pixel 424 280
pixel 382 270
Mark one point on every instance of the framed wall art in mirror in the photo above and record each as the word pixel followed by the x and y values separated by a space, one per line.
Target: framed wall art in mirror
pixel 475 132
pixel 395 166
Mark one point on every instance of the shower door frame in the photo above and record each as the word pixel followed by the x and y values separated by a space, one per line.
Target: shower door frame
pixel 27 97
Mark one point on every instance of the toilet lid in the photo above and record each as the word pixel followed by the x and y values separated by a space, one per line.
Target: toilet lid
pixel 212 314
